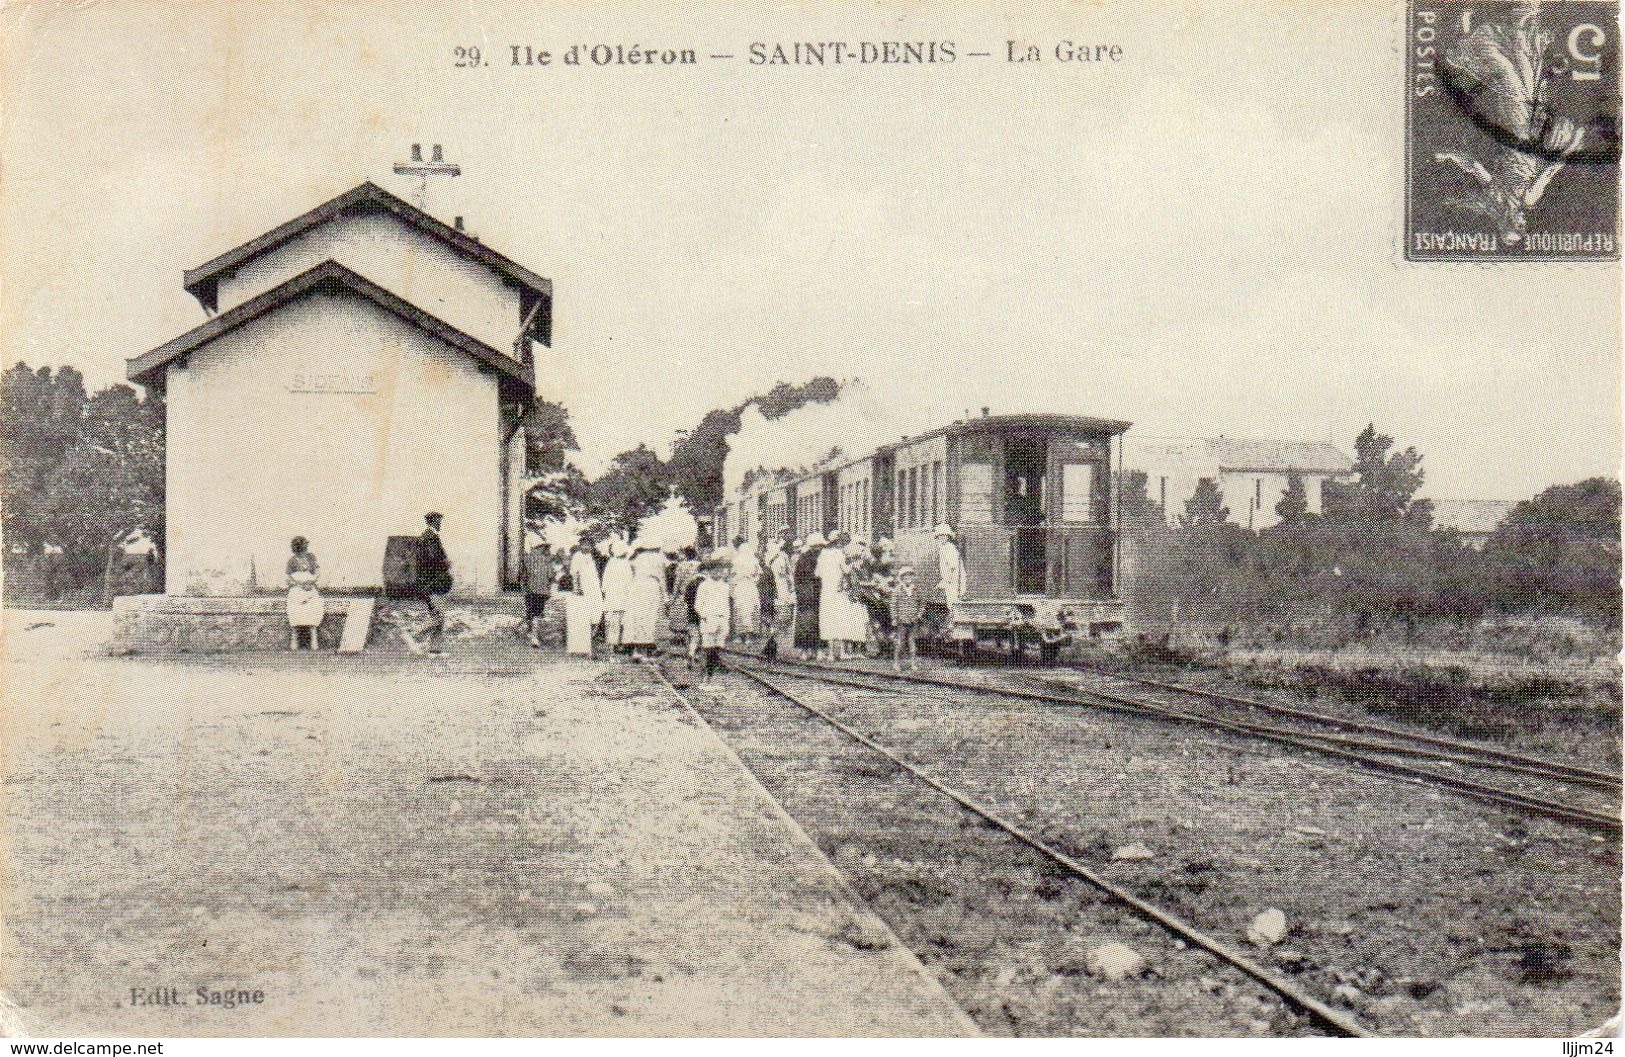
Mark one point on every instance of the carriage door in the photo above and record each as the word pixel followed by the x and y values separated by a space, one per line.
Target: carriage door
pixel 1080 545
pixel 832 504
pixel 883 480
pixel 1026 466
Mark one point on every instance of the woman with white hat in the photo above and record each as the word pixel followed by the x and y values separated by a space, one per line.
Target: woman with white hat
pixel 617 582
pixel 805 577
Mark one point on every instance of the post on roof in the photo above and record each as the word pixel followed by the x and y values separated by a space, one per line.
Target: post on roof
pixel 423 170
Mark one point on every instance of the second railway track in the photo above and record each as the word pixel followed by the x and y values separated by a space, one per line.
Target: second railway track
pixel 1543 782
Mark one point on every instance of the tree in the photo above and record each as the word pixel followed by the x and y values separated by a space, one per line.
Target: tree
pixel 549 438
pixel 1293 509
pixel 1560 551
pixel 42 412
pixel 1205 507
pixel 78 471
pixel 1137 511
pixel 698 458
pixel 112 479
pixel 636 484
pixel 1384 486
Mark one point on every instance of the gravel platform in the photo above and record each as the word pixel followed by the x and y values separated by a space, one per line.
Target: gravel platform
pixel 490 842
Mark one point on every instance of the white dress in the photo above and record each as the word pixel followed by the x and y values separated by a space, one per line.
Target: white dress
pixel 645 600
pixel 747 596
pixel 584 578
pixel 834 604
pixel 951 571
pixel 579 612
pixel 711 606
pixel 305 605
pixel 583 606
pixel 617 585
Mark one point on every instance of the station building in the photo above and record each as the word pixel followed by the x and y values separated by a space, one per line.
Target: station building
pixel 359 365
pixel 1252 475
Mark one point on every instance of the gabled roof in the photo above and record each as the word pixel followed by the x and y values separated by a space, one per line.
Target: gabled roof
pixel 202 282
pixel 1240 456
pixel 327 276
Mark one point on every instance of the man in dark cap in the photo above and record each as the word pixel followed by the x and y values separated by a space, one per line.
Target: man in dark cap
pixel 434 576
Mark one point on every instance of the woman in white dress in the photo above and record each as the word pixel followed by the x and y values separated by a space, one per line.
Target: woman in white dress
pixel 617 582
pixel 746 592
pixel 645 599
pixel 857 614
pixel 585 603
pixel 305 606
pixel 834 616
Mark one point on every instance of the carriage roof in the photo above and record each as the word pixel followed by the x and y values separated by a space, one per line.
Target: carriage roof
pixel 1110 427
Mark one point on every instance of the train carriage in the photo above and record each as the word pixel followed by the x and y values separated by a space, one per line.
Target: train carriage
pixel 1030 498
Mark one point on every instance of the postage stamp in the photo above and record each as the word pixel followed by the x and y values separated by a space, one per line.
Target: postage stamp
pixel 1512 131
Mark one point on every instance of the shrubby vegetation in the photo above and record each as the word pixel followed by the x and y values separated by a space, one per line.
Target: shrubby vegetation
pixel 1371 561
pixel 80 471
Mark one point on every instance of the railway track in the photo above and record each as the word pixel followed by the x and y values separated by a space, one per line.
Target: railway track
pixel 1454 749
pixel 1371 755
pixel 1323 1016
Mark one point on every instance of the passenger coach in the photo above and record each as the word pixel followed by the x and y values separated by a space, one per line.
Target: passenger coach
pixel 1030 498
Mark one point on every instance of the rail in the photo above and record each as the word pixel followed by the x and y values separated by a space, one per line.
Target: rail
pixel 1320 1012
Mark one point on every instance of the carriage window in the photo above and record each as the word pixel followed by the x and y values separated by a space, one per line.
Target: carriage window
pixel 976 493
pixel 1078 491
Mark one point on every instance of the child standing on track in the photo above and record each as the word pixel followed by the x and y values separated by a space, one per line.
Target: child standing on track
pixel 906 611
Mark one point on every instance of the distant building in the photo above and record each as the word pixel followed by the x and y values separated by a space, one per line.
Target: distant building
pixel 1252 475
pixel 361 364
pixel 1475 519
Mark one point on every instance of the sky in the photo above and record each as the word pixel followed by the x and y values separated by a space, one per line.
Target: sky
pixel 1202 238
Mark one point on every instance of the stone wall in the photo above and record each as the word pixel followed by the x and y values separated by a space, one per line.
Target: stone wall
pixel 167 624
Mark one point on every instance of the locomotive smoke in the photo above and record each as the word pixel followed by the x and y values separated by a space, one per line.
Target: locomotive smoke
pixel 861 419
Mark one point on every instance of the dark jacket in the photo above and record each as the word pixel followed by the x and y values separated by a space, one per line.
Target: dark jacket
pixel 434 568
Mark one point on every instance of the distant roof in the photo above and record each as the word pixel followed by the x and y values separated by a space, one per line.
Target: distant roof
pixel 1241 456
pixel 328 276
pixel 1471 515
pixel 202 282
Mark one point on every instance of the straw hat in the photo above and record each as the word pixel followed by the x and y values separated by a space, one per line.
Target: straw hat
pixel 944 530
pixel 815 539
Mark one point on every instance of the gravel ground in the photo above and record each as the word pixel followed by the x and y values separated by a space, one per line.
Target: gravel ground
pixel 1424 913
pixel 489 842
pixel 1008 933
pixel 1583 729
pixel 1560 790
